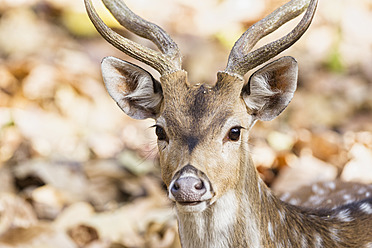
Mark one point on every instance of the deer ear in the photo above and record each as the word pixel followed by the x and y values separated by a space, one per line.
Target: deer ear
pixel 136 92
pixel 271 88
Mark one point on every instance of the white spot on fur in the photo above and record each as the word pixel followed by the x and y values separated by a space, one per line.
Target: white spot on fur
pixel 259 189
pixel 285 196
pixel 318 241
pixel 361 191
pixel 294 201
pixel 315 199
pixel 282 216
pixel 317 189
pixel 270 231
pixel 303 241
pixel 346 197
pixel 344 215
pixel 331 185
pixel 369 245
pixel 366 208
pixel 334 234
pixel 280 244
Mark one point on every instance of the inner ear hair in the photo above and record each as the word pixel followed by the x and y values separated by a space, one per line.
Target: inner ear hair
pixel 270 89
pixel 258 89
pixel 134 89
pixel 143 95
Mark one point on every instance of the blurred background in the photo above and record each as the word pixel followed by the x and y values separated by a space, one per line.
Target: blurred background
pixel 76 172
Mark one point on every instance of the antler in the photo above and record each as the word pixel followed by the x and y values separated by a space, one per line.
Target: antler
pixel 241 60
pixel 168 60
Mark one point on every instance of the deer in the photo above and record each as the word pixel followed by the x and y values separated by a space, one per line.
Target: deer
pixel 203 131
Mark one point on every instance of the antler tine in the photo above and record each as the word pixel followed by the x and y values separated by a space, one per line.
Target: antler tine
pixel 163 63
pixel 267 25
pixel 143 28
pixel 241 60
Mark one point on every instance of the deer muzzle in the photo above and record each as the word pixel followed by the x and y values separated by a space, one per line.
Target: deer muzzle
pixel 190 187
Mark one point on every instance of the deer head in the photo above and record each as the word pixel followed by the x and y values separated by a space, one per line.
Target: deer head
pixel 202 130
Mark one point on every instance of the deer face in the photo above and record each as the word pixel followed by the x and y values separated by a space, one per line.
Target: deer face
pixel 202 130
pixel 200 133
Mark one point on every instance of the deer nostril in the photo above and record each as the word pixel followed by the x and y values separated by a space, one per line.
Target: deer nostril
pixel 199 185
pixel 176 186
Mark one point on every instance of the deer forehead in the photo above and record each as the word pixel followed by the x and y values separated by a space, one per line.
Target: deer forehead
pixel 195 111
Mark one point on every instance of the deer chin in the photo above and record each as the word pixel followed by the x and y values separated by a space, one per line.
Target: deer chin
pixel 196 206
pixel 192 207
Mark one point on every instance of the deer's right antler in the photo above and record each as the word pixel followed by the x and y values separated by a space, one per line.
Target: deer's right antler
pixel 168 60
pixel 241 60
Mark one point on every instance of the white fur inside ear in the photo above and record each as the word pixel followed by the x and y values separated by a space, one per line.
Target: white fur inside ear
pixel 144 92
pixel 136 92
pixel 259 91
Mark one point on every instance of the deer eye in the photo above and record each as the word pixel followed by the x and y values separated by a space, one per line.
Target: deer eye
pixel 234 134
pixel 160 132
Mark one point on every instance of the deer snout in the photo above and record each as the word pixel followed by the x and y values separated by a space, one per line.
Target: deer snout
pixel 188 189
pixel 190 185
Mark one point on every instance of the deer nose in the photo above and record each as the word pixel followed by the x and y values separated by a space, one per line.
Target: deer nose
pixel 188 189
